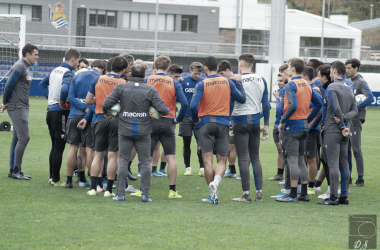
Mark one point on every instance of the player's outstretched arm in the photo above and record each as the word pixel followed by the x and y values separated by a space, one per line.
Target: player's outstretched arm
pixel 368 94
pixel 324 113
pixel 90 114
pixel 290 92
pixel 262 112
pixel 67 77
pixel 90 98
pixel 72 96
pixel 182 99
pixel 237 91
pixel 198 93
pixel 44 86
pixel 316 120
pixel 265 104
pixel 157 103
pixel 15 75
pixel 316 100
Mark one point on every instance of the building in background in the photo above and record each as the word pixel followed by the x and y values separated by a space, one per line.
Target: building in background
pixel 188 30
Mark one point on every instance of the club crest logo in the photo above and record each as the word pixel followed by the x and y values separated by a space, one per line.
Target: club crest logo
pixel 57 17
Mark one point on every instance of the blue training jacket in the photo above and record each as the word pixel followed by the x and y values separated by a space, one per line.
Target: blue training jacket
pixel 188 87
pixel 78 90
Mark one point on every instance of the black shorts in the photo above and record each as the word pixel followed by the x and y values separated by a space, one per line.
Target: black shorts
pixel 186 127
pixel 213 137
pixel 276 134
pixel 294 143
pixel 312 142
pixel 73 133
pixel 105 137
pixel 56 121
pixel 87 136
pixel 163 131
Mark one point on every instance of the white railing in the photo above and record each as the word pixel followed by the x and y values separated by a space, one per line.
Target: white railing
pixel 327 52
pixel 110 44
pixel 370 55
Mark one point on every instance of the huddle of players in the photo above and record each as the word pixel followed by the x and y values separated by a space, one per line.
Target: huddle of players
pixel 206 108
pixel 72 100
pixel 301 93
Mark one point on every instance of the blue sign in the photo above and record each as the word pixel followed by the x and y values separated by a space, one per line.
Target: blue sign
pixel 376 99
pixel 34 90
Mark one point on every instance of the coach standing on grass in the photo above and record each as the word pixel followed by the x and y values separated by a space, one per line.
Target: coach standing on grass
pixel 341 109
pixel 16 100
pixel 135 127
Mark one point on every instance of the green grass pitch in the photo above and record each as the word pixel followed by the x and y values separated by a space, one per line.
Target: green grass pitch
pixel 34 215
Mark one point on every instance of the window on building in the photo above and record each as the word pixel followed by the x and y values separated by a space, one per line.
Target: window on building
pixel 36 13
pixel 334 43
pixel 189 23
pixel 111 19
pixel 135 20
pixel 152 21
pixel 126 20
pixel 27 11
pixel 15 9
pixel 30 11
pixel 4 8
pixel 170 21
pixel 103 18
pixel 255 42
pixel 147 21
pixel 92 17
pixel 143 20
pixel 333 47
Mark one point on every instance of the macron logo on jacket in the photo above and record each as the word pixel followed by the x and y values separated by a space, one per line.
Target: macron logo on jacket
pixel 134 114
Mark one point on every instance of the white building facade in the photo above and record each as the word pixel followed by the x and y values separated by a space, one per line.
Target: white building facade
pixel 303 31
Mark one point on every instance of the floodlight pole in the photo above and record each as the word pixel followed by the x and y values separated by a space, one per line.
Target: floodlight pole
pixel 156 32
pixel 323 26
pixel 241 27
pixel 371 15
pixel 70 15
pixel 237 37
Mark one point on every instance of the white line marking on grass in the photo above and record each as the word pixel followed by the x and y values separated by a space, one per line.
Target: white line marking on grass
pixel 369 147
pixel 371 136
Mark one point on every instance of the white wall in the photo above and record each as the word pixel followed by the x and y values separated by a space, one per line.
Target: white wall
pixel 339 19
pixel 294 30
pixel 253 14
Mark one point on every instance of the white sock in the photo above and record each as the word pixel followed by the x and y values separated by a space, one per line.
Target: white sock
pixel 217 180
pixel 286 191
pixel 209 190
pixel 188 168
pixel 328 188
pixel 258 191
pixel 201 169
pixel 246 192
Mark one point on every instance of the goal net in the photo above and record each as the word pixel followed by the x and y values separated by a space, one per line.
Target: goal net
pixel 12 40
